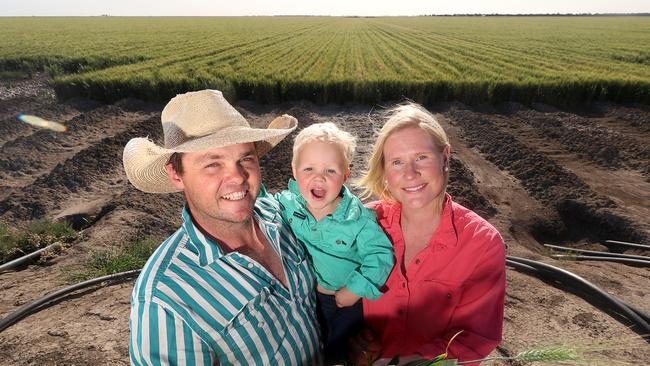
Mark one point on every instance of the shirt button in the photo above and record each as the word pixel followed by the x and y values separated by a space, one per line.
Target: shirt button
pixel 250 265
pixel 273 282
pixel 290 219
pixel 338 241
pixel 261 324
pixel 449 295
pixel 417 261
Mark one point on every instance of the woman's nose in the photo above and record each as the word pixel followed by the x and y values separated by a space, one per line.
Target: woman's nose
pixel 410 170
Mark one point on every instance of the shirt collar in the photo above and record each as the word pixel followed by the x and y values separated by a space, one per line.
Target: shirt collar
pixel 209 250
pixel 445 235
pixel 345 209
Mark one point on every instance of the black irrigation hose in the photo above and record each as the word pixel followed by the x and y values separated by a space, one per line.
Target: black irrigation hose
pixel 633 262
pixel 625 244
pixel 635 317
pixel 42 303
pixel 26 258
pixel 597 253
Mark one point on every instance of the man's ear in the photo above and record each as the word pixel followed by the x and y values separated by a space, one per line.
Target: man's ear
pixel 174 177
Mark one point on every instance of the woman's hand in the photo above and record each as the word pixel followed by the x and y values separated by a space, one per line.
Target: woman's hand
pixel 345 298
pixel 364 348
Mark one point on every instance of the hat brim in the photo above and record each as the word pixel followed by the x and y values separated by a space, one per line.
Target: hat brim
pixel 144 161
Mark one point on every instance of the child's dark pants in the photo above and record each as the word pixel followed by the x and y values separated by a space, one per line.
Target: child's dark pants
pixel 337 326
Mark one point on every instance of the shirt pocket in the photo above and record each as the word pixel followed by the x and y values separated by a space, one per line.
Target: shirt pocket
pixel 341 242
pixel 254 326
pixel 435 305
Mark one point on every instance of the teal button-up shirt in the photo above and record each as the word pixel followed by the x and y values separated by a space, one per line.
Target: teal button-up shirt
pixel 347 248
pixel 194 304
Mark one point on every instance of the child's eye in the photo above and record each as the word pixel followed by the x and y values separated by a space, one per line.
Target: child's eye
pixel 308 169
pixel 331 171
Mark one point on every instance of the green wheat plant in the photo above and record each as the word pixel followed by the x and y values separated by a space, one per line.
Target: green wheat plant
pixel 588 353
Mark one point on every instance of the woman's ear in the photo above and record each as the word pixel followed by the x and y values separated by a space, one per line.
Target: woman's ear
pixel 446 154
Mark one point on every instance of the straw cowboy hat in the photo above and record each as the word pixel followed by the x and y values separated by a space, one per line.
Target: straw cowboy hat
pixel 196 121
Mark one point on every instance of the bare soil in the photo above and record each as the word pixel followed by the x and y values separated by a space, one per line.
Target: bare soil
pixel 540 175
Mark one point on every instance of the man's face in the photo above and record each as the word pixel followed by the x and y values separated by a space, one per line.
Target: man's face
pixel 220 184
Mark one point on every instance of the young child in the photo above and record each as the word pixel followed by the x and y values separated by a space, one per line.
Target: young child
pixel 351 255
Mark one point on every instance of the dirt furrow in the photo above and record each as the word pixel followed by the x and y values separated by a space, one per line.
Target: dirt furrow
pixel 628 189
pixel 587 138
pixel 82 171
pixel 28 157
pixel 585 213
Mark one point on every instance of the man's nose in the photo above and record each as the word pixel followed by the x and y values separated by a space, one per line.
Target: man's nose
pixel 236 173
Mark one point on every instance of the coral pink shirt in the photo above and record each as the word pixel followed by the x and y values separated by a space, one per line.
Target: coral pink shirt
pixel 455 283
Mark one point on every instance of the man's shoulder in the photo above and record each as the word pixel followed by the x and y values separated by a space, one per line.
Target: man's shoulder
pixel 267 203
pixel 153 271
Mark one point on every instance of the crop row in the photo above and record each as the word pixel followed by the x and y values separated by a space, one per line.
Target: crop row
pixel 560 60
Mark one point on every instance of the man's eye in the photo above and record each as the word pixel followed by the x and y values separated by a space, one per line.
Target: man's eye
pixel 247 158
pixel 421 157
pixel 397 162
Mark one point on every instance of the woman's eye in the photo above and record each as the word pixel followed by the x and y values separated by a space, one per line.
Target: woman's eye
pixel 421 157
pixel 397 162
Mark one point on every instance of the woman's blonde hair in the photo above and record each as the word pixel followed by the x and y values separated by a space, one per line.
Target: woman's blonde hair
pixel 401 116
pixel 329 133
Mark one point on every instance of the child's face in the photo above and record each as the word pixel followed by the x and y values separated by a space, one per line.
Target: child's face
pixel 320 171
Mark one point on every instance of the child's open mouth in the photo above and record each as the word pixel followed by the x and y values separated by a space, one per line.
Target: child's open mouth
pixel 318 193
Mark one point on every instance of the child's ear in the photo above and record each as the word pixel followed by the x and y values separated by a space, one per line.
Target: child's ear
pixel 293 170
pixel 346 175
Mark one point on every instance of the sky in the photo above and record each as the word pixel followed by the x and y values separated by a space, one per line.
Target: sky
pixel 306 7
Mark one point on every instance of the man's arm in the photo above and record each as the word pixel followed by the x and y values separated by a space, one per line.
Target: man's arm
pixel 159 337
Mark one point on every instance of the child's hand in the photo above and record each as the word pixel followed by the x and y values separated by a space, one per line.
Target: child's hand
pixel 345 297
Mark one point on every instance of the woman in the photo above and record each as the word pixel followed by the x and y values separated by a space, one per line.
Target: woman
pixel 449 273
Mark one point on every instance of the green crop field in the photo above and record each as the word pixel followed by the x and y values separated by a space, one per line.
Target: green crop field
pixel 558 60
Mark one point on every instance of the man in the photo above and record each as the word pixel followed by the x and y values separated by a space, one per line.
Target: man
pixel 232 286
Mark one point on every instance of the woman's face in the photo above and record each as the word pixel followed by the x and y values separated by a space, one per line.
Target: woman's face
pixel 414 168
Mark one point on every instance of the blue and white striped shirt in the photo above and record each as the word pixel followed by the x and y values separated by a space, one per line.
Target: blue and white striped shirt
pixel 195 305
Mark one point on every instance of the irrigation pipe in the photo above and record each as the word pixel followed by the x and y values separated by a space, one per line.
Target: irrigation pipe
pixel 637 262
pixel 41 303
pixel 625 244
pixel 26 258
pixel 597 253
pixel 612 303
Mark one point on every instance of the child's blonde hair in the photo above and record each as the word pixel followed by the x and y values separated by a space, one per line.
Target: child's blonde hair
pixel 329 133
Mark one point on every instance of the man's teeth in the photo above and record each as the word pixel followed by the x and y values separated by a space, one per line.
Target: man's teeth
pixel 413 189
pixel 235 196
